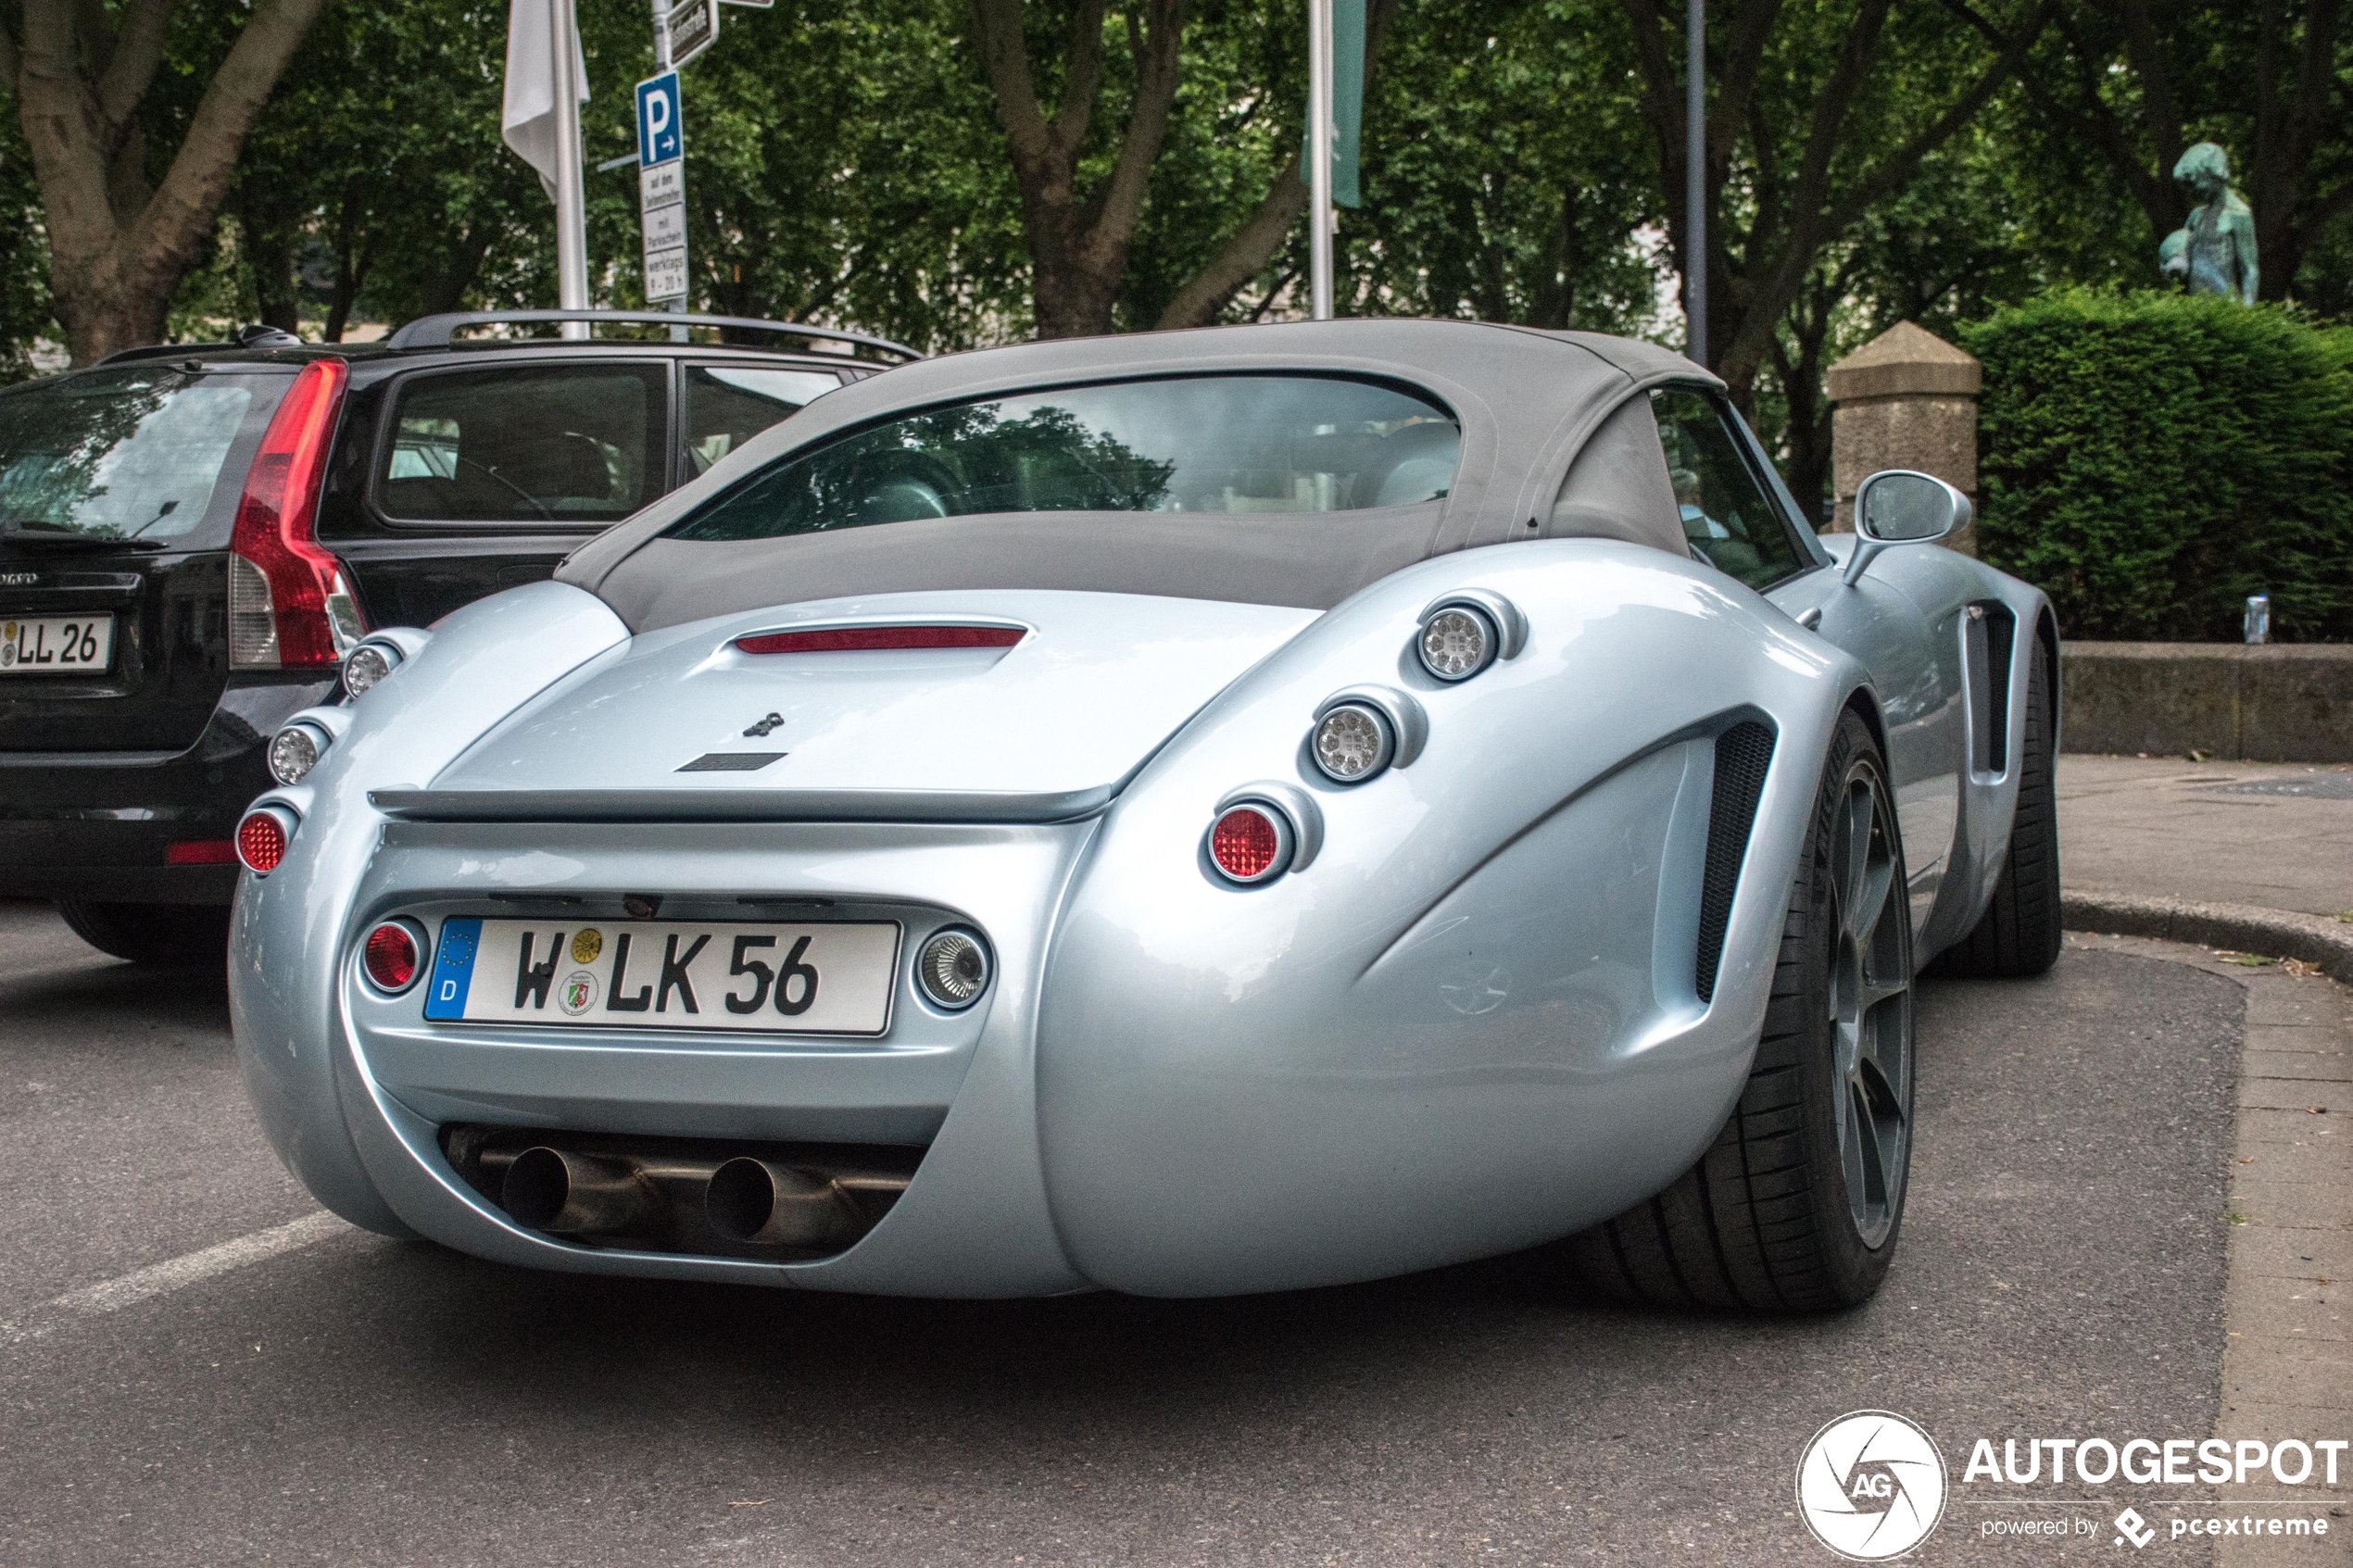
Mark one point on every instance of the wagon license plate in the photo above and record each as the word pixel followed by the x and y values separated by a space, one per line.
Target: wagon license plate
pixel 833 978
pixel 56 645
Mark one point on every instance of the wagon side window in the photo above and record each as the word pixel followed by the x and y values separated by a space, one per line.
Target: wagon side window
pixel 1728 517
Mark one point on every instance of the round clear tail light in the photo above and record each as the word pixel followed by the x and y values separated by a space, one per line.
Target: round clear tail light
pixel 261 838
pixel 366 665
pixel 294 751
pixel 953 968
pixel 1456 642
pixel 1251 843
pixel 392 956
pixel 1352 743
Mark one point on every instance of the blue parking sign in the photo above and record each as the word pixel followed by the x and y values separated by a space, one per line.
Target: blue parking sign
pixel 658 121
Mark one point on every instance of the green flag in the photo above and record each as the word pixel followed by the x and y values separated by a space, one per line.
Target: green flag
pixel 1348 104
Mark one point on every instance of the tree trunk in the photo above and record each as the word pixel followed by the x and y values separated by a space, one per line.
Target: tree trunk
pixel 1078 243
pixel 117 249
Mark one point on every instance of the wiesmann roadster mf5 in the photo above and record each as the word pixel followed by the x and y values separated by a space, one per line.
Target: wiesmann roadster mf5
pixel 1209 812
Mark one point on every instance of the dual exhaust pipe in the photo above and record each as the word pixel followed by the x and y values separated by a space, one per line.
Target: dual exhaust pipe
pixel 749 1202
pixel 687 1196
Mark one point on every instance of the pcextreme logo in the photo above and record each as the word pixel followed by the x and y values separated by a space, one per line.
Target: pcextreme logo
pixel 1871 1486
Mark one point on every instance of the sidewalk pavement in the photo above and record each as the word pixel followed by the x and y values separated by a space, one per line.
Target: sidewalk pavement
pixel 2249 855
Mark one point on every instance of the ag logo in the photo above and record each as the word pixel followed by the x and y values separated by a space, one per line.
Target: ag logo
pixel 579 993
pixel 1870 1486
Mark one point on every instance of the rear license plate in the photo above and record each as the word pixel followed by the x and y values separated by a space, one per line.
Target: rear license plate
pixel 834 978
pixel 56 645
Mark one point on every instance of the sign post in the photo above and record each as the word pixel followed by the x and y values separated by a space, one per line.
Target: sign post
pixel 661 187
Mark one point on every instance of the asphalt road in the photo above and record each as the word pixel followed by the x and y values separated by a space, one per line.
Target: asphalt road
pixel 359 1400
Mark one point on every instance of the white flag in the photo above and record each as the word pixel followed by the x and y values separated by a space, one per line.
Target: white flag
pixel 529 123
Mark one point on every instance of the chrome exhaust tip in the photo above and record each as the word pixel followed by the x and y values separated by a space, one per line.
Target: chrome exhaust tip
pixel 756 1202
pixel 549 1189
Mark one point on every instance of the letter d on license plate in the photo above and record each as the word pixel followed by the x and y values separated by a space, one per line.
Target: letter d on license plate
pixel 834 978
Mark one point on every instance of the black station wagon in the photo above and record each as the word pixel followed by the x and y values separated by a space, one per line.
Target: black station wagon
pixel 191 537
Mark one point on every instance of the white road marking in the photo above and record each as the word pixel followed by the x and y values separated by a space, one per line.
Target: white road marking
pixel 174 1273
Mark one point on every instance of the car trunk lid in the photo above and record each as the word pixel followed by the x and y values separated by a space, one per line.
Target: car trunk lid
pixel 1079 690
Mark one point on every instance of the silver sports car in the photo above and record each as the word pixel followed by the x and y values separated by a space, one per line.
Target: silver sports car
pixel 1185 814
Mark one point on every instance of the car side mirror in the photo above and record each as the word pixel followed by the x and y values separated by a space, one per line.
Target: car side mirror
pixel 1899 506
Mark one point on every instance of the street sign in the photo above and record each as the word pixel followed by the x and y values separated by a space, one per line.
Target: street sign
pixel 666 276
pixel 661 182
pixel 658 130
pixel 693 28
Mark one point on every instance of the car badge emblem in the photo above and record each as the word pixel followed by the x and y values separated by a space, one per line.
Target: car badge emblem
pixel 586 945
pixel 18 579
pixel 765 725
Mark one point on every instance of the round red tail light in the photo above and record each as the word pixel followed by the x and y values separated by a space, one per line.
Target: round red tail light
pixel 392 957
pixel 261 841
pixel 1251 843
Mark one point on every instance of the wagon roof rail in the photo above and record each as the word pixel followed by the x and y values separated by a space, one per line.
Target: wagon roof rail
pixel 441 330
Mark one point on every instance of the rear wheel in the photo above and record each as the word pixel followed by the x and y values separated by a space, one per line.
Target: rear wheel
pixel 2018 934
pixel 168 935
pixel 1797 1204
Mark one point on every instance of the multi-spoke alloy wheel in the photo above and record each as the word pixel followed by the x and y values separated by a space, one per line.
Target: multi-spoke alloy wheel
pixel 1797 1204
pixel 1870 999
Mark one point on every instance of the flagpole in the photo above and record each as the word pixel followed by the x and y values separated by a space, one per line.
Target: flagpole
pixel 1319 145
pixel 1695 183
pixel 572 206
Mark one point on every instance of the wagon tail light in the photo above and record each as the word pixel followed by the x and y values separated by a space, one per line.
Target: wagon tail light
pixel 289 606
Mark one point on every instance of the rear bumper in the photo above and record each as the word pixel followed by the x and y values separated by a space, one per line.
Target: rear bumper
pixel 102 825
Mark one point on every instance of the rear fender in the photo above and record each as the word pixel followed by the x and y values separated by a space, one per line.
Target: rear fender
pixel 1470 1024
pixel 289 929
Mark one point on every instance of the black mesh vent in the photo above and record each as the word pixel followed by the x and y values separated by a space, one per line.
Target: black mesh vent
pixel 1743 754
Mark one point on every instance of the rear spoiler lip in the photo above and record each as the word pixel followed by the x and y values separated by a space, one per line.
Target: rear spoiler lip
pixel 743 805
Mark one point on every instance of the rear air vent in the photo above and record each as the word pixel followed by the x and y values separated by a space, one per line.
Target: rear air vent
pixel 1989 633
pixel 730 762
pixel 1743 754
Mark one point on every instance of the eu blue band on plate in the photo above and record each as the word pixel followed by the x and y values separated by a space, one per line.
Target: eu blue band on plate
pixel 453 968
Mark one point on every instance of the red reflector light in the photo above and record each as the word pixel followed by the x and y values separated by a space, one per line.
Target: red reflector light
pixel 390 955
pixel 261 842
pixel 208 852
pixel 864 639
pixel 1246 843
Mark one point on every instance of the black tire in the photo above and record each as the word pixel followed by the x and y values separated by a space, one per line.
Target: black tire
pixel 1770 1219
pixel 2018 934
pixel 167 935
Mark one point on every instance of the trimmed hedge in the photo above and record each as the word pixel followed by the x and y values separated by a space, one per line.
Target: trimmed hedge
pixel 2150 459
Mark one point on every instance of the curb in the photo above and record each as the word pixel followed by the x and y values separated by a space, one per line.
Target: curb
pixel 2278 934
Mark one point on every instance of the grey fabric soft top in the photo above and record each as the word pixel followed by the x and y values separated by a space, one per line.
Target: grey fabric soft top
pixel 1535 408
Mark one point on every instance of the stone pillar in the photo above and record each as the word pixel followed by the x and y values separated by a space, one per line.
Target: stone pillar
pixel 1907 399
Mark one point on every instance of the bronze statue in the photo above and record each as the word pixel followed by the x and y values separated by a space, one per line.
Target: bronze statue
pixel 2217 247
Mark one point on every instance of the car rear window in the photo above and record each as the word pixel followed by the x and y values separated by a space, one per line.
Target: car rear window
pixel 563 443
pixel 1218 445
pixel 128 454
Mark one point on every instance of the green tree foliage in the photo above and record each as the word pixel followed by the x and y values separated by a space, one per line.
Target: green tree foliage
pixel 842 167
pixel 24 259
pixel 376 179
pixel 2150 459
pixel 1505 180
